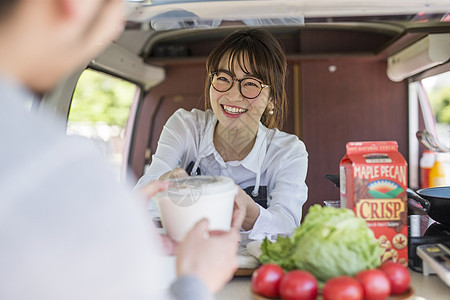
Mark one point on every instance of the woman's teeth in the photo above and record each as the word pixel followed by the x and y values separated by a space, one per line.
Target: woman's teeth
pixel 234 110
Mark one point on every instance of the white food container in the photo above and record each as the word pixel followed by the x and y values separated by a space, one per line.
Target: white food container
pixel 190 199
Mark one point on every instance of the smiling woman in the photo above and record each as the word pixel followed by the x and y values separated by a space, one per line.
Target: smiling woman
pixel 254 53
pixel 238 136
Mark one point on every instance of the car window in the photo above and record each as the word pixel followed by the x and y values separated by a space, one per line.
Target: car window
pixel 101 108
pixel 429 122
pixel 437 89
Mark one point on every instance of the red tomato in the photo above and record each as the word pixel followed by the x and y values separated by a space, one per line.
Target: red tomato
pixel 266 280
pixel 298 285
pixel 342 288
pixel 375 284
pixel 398 276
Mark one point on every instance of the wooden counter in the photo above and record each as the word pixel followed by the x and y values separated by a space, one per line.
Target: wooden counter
pixel 425 287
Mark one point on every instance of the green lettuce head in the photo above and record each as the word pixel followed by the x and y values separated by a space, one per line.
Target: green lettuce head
pixel 330 242
pixel 333 242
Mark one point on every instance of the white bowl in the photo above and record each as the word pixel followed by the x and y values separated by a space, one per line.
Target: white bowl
pixel 190 199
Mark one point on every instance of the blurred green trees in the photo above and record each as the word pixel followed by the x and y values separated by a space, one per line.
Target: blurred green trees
pixel 99 97
pixel 440 102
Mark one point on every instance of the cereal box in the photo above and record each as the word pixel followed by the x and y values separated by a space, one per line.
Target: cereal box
pixel 373 181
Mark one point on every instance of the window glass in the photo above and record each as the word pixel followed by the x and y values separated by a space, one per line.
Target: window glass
pixel 100 110
pixel 437 89
pixel 433 94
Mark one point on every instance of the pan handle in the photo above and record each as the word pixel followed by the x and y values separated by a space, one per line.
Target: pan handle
pixel 334 179
pixel 424 202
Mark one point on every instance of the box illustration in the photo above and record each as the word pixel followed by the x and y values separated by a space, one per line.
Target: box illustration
pixel 373 182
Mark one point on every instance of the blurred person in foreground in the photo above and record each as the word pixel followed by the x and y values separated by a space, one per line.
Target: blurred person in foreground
pixel 69 231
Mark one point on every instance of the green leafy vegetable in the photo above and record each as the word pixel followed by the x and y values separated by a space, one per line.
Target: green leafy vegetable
pixel 279 253
pixel 330 242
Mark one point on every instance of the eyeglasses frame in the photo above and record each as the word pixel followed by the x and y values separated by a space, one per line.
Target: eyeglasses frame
pixel 234 79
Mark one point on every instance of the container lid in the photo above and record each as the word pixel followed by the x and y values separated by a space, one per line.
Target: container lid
pixel 188 190
pixel 208 184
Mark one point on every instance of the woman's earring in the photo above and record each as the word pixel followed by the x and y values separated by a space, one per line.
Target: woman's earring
pixel 270 106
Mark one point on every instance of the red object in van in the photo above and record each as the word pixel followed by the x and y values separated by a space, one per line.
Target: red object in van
pixel 426 163
pixel 373 183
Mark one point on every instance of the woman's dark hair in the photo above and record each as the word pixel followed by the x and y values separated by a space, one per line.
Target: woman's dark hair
pixel 266 60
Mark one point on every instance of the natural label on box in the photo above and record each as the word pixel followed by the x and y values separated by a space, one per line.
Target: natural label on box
pixel 373 178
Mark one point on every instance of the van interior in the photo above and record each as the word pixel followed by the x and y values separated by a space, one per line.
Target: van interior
pixel 357 71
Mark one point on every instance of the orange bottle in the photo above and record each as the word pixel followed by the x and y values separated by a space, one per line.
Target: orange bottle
pixel 437 172
pixel 426 163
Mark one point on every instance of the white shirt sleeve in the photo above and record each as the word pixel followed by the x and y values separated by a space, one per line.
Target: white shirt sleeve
pixel 286 199
pixel 173 145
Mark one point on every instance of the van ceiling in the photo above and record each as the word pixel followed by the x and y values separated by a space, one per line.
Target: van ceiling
pixel 312 40
pixel 187 30
pixel 306 40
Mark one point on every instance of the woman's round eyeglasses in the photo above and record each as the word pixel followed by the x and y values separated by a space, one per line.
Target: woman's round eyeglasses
pixel 223 81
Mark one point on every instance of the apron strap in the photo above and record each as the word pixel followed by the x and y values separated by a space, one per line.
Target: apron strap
pixel 190 167
pixel 261 197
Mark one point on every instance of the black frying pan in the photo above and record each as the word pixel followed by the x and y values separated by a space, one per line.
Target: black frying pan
pixel 435 202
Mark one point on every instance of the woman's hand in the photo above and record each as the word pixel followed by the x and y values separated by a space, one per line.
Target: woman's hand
pixel 238 216
pixel 175 173
pixel 210 256
pixel 249 208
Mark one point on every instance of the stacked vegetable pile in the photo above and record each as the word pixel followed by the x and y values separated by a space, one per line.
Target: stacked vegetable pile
pixel 333 249
pixel 330 242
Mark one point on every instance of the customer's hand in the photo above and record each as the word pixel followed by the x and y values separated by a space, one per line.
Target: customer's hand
pixel 169 245
pixel 153 187
pixel 175 173
pixel 210 256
